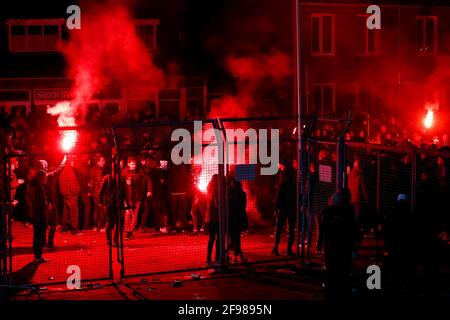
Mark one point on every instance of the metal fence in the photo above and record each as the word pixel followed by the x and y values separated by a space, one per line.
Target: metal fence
pixel 141 210
pixel 70 241
pixel 385 172
pixel 260 190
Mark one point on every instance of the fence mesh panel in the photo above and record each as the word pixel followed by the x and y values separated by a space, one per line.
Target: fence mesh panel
pixel 56 220
pixel 165 203
pixel 255 222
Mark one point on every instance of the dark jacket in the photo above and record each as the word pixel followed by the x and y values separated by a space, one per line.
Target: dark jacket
pixel 134 186
pixel 96 175
pixel 111 192
pixel 339 229
pixel 37 201
pixel 237 203
pixel 69 184
pixel 286 199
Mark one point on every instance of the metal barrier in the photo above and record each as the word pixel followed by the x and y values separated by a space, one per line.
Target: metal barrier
pixel 255 193
pixel 170 211
pixel 71 207
pixel 384 172
pixel 162 227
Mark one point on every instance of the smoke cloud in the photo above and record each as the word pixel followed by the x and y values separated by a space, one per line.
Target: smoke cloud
pixel 253 75
pixel 107 50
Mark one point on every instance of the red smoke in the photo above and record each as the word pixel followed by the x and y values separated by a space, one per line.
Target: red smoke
pixel 107 50
pixel 275 66
pixel 253 74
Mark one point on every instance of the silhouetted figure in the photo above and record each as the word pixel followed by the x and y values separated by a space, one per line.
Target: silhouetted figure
pixel 51 193
pixel 22 175
pixel 149 166
pixel 358 191
pixel 212 218
pixel 160 198
pixel 238 220
pixel 428 212
pixel 134 195
pixel 70 189
pixel 285 210
pixel 180 188
pixel 38 206
pixel 400 247
pixel 338 226
pixel 112 197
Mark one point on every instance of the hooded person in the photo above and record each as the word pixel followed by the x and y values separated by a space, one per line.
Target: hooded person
pixel 338 227
pixel 399 247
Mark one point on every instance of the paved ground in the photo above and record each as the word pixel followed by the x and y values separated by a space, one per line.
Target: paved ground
pixel 283 280
pixel 146 253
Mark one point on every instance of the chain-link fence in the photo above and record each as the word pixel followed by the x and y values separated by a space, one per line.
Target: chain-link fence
pixel 118 194
pixel 261 206
pixel 376 175
pixel 166 224
pixel 55 225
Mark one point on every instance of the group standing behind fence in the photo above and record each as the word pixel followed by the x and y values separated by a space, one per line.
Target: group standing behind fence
pixel 138 193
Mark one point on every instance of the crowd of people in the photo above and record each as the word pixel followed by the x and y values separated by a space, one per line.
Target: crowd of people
pixel 385 130
pixel 78 192
pixel 145 195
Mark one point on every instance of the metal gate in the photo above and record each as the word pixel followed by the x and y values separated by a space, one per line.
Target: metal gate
pixel 168 200
pixel 260 190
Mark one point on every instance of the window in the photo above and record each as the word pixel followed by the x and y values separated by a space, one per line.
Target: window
pixel 146 30
pixel 323 99
pixel 348 98
pixel 368 40
pixel 34 35
pixel 322 34
pixel 427 34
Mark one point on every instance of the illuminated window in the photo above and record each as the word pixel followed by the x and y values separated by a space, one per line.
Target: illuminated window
pixel 35 35
pixel 323 99
pixel 368 40
pixel 427 34
pixel 322 34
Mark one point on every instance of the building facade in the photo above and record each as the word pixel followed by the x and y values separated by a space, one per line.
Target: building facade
pixel 400 67
pixel 33 73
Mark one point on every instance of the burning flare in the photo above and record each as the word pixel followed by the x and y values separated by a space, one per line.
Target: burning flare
pixel 65 119
pixel 429 118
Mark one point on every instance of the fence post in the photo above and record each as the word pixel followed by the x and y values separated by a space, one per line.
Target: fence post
pixel 222 191
pixel 341 164
pixel 117 207
pixel 205 96
pixel 413 179
pixel 9 210
pixel 378 200
pixel 309 209
pixel 378 183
